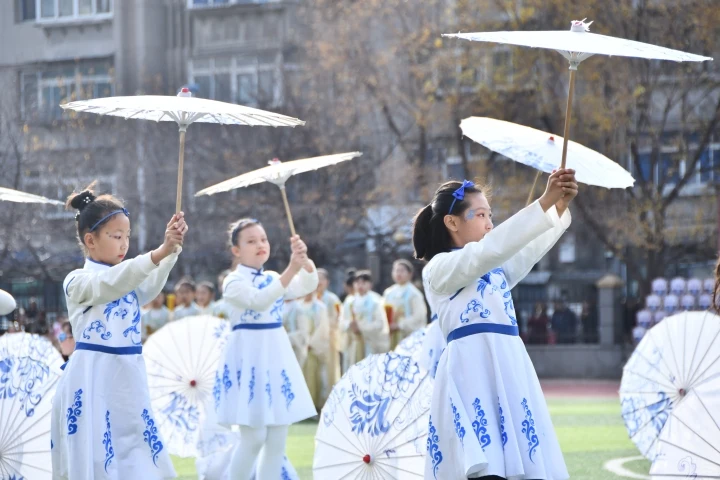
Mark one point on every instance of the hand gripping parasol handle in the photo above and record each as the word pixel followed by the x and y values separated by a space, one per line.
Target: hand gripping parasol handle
pixel 568 115
pixel 181 162
pixel 287 209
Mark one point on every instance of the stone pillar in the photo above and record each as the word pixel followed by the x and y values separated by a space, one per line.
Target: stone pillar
pixel 610 316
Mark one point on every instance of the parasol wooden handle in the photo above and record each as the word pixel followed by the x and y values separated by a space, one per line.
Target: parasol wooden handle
pixel 181 162
pixel 287 210
pixel 532 190
pixel 568 115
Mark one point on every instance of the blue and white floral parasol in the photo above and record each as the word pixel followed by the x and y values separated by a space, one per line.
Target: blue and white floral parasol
pixel 27 386
pixel 375 423
pixel 37 347
pixel 676 364
pixel 424 346
pixel 181 360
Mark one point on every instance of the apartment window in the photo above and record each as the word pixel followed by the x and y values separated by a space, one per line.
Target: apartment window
pixel 210 3
pixel 60 10
pixel 43 91
pixel 246 80
pixel 26 10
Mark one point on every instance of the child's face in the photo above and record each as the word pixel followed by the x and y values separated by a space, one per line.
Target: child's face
pixel 362 286
pixel 475 222
pixel 185 296
pixel 110 243
pixel 400 274
pixel 203 296
pixel 253 247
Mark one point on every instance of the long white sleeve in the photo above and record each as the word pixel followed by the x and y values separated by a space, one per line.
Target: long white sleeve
pixel 522 262
pixel 87 287
pixel 153 284
pixel 241 293
pixel 448 272
pixel 303 283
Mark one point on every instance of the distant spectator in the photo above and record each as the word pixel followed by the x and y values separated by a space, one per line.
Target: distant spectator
pixel 537 326
pixel 185 299
pixel 564 323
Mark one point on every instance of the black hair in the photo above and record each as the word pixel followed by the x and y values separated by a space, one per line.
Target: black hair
pixel 239 226
pixel 91 209
pixel 716 291
pixel 405 263
pixel 207 285
pixel 364 275
pixel 430 235
pixel 349 277
pixel 185 282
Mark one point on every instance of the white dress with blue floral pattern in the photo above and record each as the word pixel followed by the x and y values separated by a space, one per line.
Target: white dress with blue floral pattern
pixel 103 426
pixel 259 381
pixel 488 413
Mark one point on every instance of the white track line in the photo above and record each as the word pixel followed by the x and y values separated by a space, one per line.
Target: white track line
pixel 617 466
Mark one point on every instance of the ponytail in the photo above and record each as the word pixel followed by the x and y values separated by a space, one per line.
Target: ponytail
pixel 430 235
pixel 716 291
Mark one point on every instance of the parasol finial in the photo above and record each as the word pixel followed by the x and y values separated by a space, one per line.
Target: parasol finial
pixel 580 25
pixel 274 161
pixel 184 92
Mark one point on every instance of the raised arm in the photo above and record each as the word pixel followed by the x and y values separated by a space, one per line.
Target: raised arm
pixel 521 263
pixel 241 293
pixel 449 272
pixel 306 281
pixel 87 288
pixel 155 282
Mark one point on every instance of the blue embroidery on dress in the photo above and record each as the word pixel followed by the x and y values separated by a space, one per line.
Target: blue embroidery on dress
pixel 13 477
pixel 132 300
pixel 96 326
pixel 217 388
pixel 368 409
pixel 249 316
pixel 151 436
pixel 267 389
pixel 239 376
pixel 433 448
pixel 107 441
pixel 475 307
pixel 265 283
pixel 226 378
pixel 459 429
pixel 111 309
pixel 74 412
pixel 20 377
pixel 252 385
pixel 284 475
pixel 287 389
pixel 183 415
pixel 277 309
pixel 529 430
pixel 503 435
pixel 480 425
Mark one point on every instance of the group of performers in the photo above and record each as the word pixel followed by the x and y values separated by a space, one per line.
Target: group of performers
pixel 103 425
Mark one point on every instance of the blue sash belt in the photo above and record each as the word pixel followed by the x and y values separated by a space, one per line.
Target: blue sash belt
pixel 475 328
pixel 256 326
pixel 135 350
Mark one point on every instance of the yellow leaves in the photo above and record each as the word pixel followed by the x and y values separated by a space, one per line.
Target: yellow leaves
pixel 438 42
pixel 639 91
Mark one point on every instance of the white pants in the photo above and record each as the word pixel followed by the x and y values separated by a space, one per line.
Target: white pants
pixel 269 443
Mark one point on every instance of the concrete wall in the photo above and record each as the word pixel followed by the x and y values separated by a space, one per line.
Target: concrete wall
pixel 578 361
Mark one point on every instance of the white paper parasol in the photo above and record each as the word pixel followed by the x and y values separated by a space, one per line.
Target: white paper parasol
pixel 424 346
pixel 37 347
pixel 184 110
pixel 677 361
pixel 278 172
pixel 543 151
pixel 576 45
pixel 27 387
pixel 374 425
pixel 181 360
pixel 10 195
pixel 7 303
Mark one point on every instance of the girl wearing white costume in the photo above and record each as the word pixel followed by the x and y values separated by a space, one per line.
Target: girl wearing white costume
pixel 488 417
pixel 409 312
pixel 102 424
pixel 334 307
pixel 365 321
pixel 259 384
